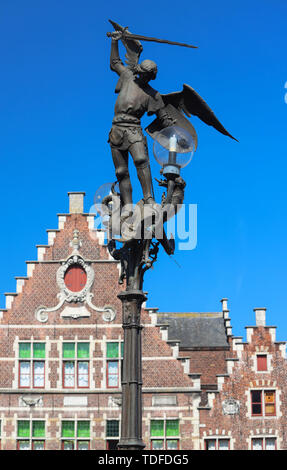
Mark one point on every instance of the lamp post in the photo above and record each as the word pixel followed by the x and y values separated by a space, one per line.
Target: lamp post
pixel 173 149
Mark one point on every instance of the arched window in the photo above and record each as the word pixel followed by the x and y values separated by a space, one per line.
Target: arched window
pixel 75 278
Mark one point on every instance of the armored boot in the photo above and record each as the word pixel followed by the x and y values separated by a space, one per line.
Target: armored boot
pixel 144 176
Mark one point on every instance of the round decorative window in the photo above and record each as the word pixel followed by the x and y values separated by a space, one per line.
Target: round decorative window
pixel 75 278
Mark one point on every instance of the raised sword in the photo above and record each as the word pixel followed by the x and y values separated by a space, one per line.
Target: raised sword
pixel 139 37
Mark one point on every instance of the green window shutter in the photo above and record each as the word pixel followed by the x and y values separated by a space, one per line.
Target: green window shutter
pixel 68 428
pixel 112 350
pixel 83 429
pixel 122 349
pixel 38 350
pixel 157 428
pixel 24 350
pixel 172 427
pixel 38 429
pixel 83 350
pixel 112 428
pixel 24 428
pixel 68 350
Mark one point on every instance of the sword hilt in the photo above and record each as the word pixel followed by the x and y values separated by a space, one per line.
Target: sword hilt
pixel 122 33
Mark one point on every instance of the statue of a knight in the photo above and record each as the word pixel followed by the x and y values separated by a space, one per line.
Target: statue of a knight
pixel 135 98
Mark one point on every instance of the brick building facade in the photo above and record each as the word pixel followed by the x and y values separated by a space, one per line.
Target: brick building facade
pixel 60 360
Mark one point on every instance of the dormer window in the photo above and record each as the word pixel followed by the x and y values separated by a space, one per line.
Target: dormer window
pixel 75 278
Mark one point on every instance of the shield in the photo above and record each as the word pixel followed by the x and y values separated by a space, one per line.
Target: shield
pixel 179 120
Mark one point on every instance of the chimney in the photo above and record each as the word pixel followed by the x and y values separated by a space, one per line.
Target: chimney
pixel 224 304
pixel 260 316
pixel 76 202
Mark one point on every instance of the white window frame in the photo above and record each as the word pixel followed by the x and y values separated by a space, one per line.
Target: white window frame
pixel 31 439
pixel 75 439
pixel 263 415
pixel 165 438
pixel 31 360
pixel 76 360
pixel 217 439
pixel 268 356
pixel 118 359
pixel 263 437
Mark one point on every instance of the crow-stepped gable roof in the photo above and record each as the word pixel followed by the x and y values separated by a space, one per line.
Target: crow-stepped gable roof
pixel 196 330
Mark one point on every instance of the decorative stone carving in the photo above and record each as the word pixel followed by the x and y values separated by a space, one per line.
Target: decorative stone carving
pixel 31 400
pixel 76 243
pixel 109 314
pixel 66 295
pixel 115 402
pixel 230 406
pixel 42 312
pixel 75 312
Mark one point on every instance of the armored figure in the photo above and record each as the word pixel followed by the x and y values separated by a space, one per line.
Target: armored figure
pixel 135 98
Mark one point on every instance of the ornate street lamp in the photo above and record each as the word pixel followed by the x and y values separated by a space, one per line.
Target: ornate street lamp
pixel 173 149
pixel 175 142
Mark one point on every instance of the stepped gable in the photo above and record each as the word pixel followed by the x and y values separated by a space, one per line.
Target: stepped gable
pixel 204 340
pixel 229 411
pixel 42 304
pixel 74 241
pixel 196 330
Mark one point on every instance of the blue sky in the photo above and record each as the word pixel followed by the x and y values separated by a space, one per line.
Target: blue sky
pixel 56 106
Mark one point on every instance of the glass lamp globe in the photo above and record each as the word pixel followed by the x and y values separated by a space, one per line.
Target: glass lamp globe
pixel 173 148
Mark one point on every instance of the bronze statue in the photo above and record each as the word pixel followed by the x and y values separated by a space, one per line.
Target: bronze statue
pixel 135 98
pixel 140 238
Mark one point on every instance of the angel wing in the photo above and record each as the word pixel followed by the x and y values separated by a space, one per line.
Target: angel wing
pixel 133 47
pixel 191 103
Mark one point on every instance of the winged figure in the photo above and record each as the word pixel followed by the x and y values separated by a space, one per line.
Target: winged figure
pixel 135 98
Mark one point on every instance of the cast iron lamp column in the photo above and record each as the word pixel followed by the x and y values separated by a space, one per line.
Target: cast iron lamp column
pixel 131 425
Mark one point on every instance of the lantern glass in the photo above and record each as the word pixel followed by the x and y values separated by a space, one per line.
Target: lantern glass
pixel 101 194
pixel 173 140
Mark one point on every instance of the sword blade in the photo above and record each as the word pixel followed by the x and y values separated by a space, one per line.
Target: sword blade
pixel 162 41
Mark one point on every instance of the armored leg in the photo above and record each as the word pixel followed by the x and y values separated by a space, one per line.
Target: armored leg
pixel 139 153
pixel 120 159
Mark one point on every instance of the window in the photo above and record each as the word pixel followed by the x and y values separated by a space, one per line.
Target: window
pixel 263 443
pixel 217 444
pixel 112 434
pixel 114 354
pixel 31 365
pixel 75 435
pixel 262 362
pixel 76 365
pixel 164 434
pixel 30 435
pixel 75 278
pixel 263 403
